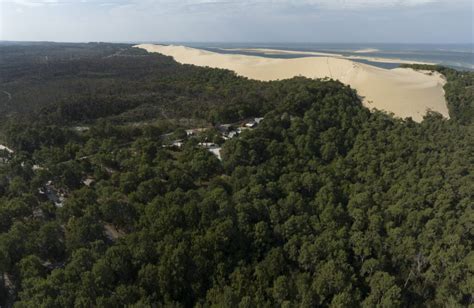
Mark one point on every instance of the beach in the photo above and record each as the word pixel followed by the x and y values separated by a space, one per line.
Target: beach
pixel 401 91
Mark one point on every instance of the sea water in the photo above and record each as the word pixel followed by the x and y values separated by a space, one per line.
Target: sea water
pixel 459 56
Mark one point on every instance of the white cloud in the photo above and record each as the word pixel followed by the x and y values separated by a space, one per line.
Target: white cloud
pixel 237 20
pixel 185 3
pixel 231 7
pixel 365 3
pixel 37 3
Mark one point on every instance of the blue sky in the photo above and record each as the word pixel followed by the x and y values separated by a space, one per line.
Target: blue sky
pixel 387 21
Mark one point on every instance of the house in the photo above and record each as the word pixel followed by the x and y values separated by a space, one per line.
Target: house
pixel 5 154
pixel 217 152
pixel 212 147
pixel 194 131
pixel 251 124
pixel 37 167
pixel 57 196
pixel 177 143
pixel 241 129
pixel 224 128
pixel 230 135
pixel 88 181
pixel 227 131
pixel 258 120
pixel 208 145
pixel 5 148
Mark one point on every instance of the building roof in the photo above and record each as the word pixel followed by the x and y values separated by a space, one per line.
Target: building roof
pixel 5 148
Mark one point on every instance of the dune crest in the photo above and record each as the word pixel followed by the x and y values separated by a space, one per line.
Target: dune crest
pixel 404 92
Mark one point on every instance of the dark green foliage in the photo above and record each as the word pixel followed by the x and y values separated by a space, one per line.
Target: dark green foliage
pixel 324 204
pixel 65 84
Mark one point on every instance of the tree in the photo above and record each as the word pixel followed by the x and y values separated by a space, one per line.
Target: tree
pixel 384 292
pixel 82 231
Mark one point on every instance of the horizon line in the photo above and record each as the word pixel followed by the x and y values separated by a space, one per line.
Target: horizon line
pixel 234 42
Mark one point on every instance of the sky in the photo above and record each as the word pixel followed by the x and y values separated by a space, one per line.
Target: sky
pixel 370 21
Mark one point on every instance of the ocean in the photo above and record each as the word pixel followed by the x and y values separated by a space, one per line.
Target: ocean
pixel 458 56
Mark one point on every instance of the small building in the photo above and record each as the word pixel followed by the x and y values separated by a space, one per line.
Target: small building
pixel 230 135
pixel 177 143
pixel 81 128
pixel 5 148
pixel 5 154
pixel 224 128
pixel 242 129
pixel 57 196
pixel 208 145
pixel 217 152
pixel 258 120
pixel 251 124
pixel 88 181
pixel 195 131
pixel 37 168
pixel 212 147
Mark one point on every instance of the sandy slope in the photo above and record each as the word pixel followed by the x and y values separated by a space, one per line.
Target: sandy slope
pixel 404 92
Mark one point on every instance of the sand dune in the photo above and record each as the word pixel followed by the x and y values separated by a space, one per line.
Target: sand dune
pixel 404 92
pixel 367 50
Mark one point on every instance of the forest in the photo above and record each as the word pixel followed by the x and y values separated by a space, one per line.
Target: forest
pixel 323 204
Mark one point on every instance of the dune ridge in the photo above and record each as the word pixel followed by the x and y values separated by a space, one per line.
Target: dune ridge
pixel 403 92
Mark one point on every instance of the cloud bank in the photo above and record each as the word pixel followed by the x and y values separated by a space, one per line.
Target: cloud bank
pixel 238 20
pixel 269 3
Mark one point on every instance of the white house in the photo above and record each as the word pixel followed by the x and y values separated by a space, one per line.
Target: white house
pixel 5 148
pixel 217 152
pixel 208 145
pixel 258 120
pixel 195 131
pixel 177 143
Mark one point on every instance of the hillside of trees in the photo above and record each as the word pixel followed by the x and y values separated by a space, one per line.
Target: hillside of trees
pixel 120 83
pixel 324 204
